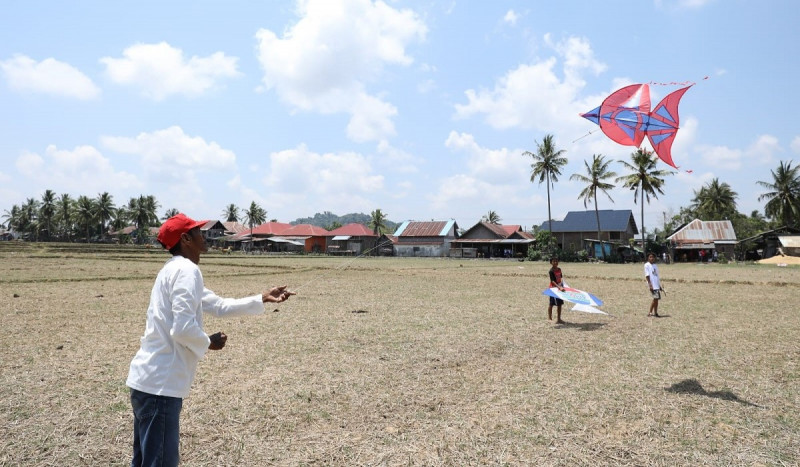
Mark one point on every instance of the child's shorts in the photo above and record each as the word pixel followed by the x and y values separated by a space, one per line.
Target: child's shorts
pixel 656 294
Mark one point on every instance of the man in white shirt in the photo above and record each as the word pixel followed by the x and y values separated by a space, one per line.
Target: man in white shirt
pixel 653 281
pixel 162 371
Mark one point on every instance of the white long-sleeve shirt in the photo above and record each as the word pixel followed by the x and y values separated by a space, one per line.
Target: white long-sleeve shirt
pixel 174 340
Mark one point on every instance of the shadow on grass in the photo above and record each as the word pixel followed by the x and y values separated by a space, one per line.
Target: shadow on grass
pixel 580 326
pixel 692 386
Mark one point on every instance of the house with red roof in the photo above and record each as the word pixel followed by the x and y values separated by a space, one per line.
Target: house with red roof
pixel 314 239
pixel 352 239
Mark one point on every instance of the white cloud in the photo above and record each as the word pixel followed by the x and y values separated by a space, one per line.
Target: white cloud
pixel 760 152
pixel 324 62
pixel 795 145
pixel 494 179
pixel 160 70
pixel 532 96
pixel 300 177
pixel 721 157
pixel 511 17
pixel 164 151
pixel 48 77
pixel 83 169
pixel 398 160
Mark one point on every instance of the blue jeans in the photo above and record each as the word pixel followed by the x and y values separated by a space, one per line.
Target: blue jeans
pixel 155 429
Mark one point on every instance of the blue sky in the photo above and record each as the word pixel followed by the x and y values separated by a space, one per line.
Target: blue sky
pixel 419 108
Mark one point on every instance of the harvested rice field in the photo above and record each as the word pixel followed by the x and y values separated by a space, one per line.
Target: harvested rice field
pixel 395 362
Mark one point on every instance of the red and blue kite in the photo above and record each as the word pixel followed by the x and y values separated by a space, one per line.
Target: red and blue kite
pixel 628 125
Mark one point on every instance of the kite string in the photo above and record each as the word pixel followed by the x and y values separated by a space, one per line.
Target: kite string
pixel 345 265
pixel 676 83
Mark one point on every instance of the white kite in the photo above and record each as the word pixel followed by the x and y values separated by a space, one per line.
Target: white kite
pixel 584 301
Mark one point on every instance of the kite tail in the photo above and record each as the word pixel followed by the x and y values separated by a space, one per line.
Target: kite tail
pixel 663 125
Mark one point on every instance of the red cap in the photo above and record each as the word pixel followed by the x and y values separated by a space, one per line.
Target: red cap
pixel 171 230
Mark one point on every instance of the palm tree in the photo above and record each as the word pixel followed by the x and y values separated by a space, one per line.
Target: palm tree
pixel 783 197
pixel 104 210
pixel 29 218
pixel 12 218
pixel 170 213
pixel 547 164
pixel 142 211
pixel 645 179
pixel 715 201
pixel 492 218
pixel 594 179
pixel 64 209
pixel 377 222
pixel 256 215
pixel 231 213
pixel 85 213
pixel 47 211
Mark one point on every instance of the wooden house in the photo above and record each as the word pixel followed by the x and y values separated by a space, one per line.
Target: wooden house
pixel 702 241
pixel 352 239
pixel 485 240
pixel 616 226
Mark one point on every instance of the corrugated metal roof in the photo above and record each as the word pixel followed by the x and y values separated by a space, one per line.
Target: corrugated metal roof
pixel 337 238
pixel 790 241
pixel 271 228
pixel 235 227
pixel 706 232
pixel 355 229
pixel 424 229
pixel 305 229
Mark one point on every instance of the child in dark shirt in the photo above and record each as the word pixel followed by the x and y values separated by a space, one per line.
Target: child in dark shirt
pixel 555 281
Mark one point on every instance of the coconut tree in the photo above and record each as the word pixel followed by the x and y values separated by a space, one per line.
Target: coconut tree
pixel 170 213
pixel 12 218
pixel 255 215
pixel 546 166
pixel 377 222
pixel 104 210
pixel 65 207
pixel 85 213
pixel 491 217
pixel 231 213
pixel 47 211
pixel 29 218
pixel 715 201
pixel 595 177
pixel 783 197
pixel 142 212
pixel 644 179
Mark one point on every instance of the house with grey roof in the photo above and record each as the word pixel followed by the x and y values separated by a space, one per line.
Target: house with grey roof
pixel 702 240
pixel 425 238
pixel 578 230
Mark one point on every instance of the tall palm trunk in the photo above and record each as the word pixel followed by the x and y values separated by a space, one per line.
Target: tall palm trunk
pixel 549 216
pixel 644 245
pixel 597 216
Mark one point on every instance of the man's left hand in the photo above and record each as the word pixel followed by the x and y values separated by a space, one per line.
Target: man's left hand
pixel 218 341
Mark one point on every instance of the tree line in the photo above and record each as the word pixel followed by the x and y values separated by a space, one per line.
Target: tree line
pixel 64 218
pixel 714 201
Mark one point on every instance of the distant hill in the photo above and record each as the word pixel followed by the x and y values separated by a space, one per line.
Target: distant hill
pixel 327 219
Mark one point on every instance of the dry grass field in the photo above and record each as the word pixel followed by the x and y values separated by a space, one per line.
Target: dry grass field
pixel 384 361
